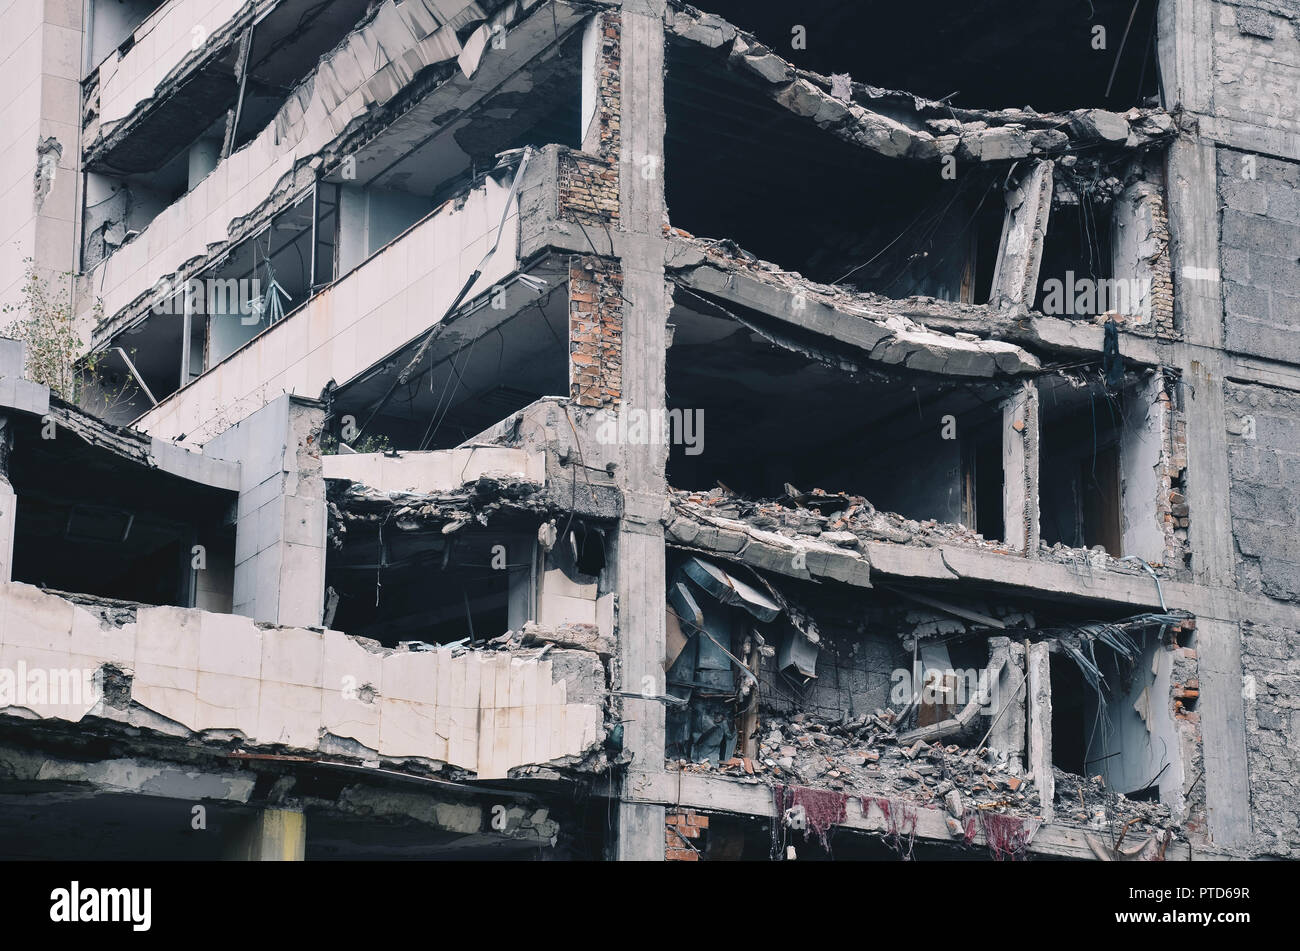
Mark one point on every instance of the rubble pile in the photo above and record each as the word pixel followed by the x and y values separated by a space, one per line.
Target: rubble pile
pixel 861 756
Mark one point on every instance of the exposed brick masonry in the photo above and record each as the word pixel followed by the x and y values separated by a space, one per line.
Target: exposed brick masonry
pixel 589 179
pixel 682 832
pixel 595 331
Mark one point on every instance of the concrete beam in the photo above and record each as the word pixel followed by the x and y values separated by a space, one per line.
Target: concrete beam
pixel 714 793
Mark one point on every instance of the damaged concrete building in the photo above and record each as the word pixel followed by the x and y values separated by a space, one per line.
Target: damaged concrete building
pixel 621 429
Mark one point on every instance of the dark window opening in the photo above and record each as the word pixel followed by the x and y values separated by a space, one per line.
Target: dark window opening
pixel 417 584
pixel 1069 716
pixel 982 483
pixel 772 417
pixel 974 53
pixel 1079 481
pixel 91 523
pixel 1074 279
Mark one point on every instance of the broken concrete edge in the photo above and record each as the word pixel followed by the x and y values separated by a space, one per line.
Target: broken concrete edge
pixel 219 42
pixel 231 779
pixel 477 502
pixel 922 333
pixel 751 798
pixel 900 125
pixel 890 340
pixel 128 444
pixel 133 694
pixel 579 475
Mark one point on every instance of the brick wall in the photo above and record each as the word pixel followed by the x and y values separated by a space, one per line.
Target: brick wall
pixel 1162 274
pixel 588 190
pixel 589 179
pixel 682 831
pixel 1264 488
pixel 595 331
pixel 1271 694
pixel 1260 239
pixel 1185 692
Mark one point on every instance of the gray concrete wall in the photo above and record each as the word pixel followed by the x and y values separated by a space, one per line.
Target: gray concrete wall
pixel 854 673
pixel 1264 493
pixel 1260 241
pixel 1257 62
pixel 1271 693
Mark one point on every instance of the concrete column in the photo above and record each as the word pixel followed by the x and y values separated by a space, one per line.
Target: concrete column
pixel 1020 441
pixel 1040 726
pixel 1137 244
pixel 270 835
pixel 641 584
pixel 1007 737
pixel 39 156
pixel 280 534
pixel 1029 203
pixel 1185 46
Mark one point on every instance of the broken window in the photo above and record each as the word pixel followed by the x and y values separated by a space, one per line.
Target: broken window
pixel 416 585
pixel 1075 278
pixel 490 359
pixel 259 281
pixel 737 162
pixel 211 110
pixel 923 446
pixel 1095 443
pixel 410 567
pixel 93 523
pixel 1111 705
pixel 1100 53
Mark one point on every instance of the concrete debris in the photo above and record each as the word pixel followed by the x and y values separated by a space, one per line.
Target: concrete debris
pixel 877 329
pixel 899 125
pixel 583 637
pixel 861 756
pixel 476 502
pixel 771 534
